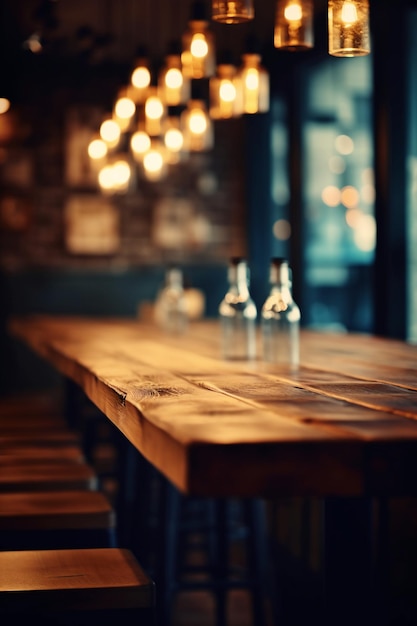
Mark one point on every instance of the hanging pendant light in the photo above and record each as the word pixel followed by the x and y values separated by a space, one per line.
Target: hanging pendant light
pixel 124 109
pixel 155 112
pixel 226 94
pixel 174 86
pixel 254 77
pixel 294 25
pixel 232 12
pixel 174 139
pixel 349 28
pixel 140 78
pixel 197 127
pixel 198 55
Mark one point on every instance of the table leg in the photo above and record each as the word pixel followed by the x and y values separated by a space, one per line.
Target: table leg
pixel 349 576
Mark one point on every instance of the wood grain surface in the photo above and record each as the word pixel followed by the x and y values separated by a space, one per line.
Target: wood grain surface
pixel 344 424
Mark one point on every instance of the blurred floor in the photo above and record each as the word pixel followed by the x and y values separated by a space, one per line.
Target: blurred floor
pixel 197 608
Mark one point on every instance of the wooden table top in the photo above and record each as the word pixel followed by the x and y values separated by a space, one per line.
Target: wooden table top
pixel 345 424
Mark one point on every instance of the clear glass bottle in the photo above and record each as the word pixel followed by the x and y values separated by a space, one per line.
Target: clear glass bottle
pixel 238 313
pixel 171 303
pixel 280 318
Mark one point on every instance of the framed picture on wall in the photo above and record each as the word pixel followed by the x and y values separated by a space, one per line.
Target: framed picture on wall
pixel 92 225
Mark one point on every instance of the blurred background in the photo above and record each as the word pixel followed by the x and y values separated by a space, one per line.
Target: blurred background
pixel 326 174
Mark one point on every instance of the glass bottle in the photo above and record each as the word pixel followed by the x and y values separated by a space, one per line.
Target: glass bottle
pixel 237 313
pixel 171 304
pixel 280 318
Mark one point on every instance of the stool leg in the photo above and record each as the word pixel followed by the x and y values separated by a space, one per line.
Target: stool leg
pixel 166 566
pixel 257 557
pixel 221 562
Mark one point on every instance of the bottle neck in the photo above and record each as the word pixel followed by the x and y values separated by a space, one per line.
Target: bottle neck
pixel 239 277
pixel 280 279
pixel 174 278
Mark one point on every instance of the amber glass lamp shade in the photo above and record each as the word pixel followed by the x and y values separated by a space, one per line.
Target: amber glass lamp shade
pixel 198 48
pixel 349 28
pixel 155 112
pixel 197 127
pixel 174 86
pixel 255 84
pixel 294 25
pixel 226 95
pixel 232 12
pixel 140 80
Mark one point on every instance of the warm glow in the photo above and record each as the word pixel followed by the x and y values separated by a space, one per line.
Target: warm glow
pixel 141 78
pixel 352 217
pixel 293 12
pixel 140 142
pixel 121 173
pixel 227 91
pixel 349 13
pixel 125 108
pixel 154 108
pixel 110 132
pixel 252 80
pixel 348 28
pixel 106 178
pixel 349 197
pixel 344 144
pixel 153 162
pixel 198 122
pixel 97 149
pixel 282 229
pixel 365 233
pixel 232 12
pixel 173 78
pixel 199 47
pixel 293 28
pixel 331 195
pixel 174 139
pixel 4 105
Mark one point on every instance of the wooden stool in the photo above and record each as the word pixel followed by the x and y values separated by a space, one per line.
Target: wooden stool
pixel 53 476
pixel 82 587
pixel 21 453
pixel 65 519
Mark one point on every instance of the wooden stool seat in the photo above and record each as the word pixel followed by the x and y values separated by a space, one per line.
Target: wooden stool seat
pixel 29 403
pixel 55 510
pixel 45 582
pixel 22 454
pixel 39 437
pixel 56 519
pixel 14 424
pixel 53 476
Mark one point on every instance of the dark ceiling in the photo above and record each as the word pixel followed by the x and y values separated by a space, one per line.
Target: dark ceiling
pixel 106 33
pixel 86 41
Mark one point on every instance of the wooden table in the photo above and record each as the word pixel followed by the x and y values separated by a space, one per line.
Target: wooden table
pixel 344 424
pixel 343 427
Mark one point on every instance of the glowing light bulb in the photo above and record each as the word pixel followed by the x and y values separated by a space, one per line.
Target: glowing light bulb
pixel 293 12
pixel 153 162
pixel 140 142
pixel 173 78
pixel 174 139
pixel 227 91
pixel 199 47
pixel 110 132
pixel 349 13
pixel 125 108
pixel 198 122
pixel 4 105
pixel 97 149
pixel 141 77
pixel 154 108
